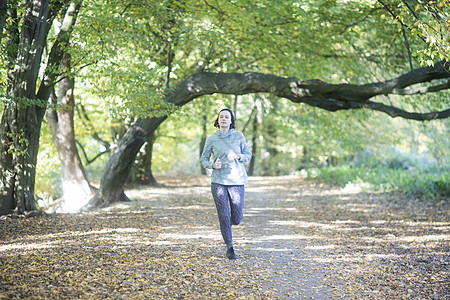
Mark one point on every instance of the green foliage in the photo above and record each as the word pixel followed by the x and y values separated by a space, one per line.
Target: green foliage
pixel 128 93
pixel 135 50
pixel 390 170
pixel 128 54
pixel 139 48
pixel 17 144
pixel 96 127
pixel 429 21
pixel 27 102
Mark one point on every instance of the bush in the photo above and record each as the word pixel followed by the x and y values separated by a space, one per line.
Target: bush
pixel 390 171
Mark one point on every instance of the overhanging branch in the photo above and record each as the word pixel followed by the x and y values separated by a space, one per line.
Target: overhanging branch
pixel 423 90
pixel 331 97
pixel 397 112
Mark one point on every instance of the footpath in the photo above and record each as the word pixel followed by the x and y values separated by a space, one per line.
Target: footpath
pixel 298 240
pixel 305 240
pixel 286 261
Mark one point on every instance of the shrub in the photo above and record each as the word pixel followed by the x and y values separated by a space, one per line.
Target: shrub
pixel 390 170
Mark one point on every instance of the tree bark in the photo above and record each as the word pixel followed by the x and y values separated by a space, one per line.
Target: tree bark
pixel 141 172
pixel 119 165
pixel 76 188
pixel 251 167
pixel 203 139
pixel 23 114
pixel 3 5
pixel 331 97
pixel 21 123
pixel 149 179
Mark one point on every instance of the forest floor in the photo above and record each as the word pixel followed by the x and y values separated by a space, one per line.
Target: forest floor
pixel 298 240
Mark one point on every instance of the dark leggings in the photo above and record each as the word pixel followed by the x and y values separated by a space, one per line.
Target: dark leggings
pixel 234 195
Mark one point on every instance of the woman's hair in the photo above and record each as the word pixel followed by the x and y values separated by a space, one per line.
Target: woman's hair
pixel 216 122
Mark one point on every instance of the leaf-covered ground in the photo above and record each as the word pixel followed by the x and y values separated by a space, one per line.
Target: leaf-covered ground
pixel 298 240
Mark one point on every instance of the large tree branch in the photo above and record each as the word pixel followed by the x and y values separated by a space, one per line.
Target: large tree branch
pixel 397 112
pixel 423 90
pixel 317 93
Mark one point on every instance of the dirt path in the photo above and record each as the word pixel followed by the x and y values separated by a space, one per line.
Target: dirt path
pixel 304 240
pixel 285 260
pixel 298 240
pixel 273 241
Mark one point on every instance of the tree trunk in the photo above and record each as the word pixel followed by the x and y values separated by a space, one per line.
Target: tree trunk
pixel 76 188
pixel 119 165
pixel 23 114
pixel 21 123
pixel 270 129
pixel 203 140
pixel 141 171
pixel 251 167
pixel 149 178
pixel 20 142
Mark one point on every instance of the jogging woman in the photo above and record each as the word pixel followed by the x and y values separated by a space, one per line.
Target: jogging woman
pixel 229 151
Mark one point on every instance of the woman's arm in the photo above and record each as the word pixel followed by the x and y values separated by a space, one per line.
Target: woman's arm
pixel 206 155
pixel 246 155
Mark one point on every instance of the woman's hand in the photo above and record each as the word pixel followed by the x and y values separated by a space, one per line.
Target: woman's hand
pixel 233 156
pixel 217 164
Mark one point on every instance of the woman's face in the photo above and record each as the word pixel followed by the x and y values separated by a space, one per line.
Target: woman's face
pixel 224 119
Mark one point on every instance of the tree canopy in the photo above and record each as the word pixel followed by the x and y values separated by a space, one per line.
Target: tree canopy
pixel 146 60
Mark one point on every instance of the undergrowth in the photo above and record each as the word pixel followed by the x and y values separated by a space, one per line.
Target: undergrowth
pixel 410 174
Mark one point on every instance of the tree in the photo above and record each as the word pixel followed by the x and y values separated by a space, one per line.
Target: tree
pixel 331 97
pixel 142 168
pixel 216 43
pixel 76 187
pixel 200 41
pixel 120 163
pixel 26 102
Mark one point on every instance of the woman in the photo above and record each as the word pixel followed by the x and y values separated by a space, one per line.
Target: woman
pixel 229 150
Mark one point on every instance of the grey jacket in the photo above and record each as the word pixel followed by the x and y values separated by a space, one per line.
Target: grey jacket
pixel 219 145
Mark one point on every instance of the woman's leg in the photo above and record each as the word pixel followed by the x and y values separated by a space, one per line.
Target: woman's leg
pixel 236 193
pixel 220 195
